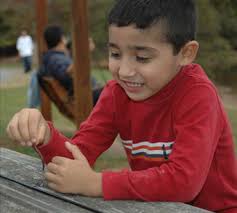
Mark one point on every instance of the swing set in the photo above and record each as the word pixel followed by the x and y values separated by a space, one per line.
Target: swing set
pixel 51 90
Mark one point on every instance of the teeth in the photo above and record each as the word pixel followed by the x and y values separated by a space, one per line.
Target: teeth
pixel 134 84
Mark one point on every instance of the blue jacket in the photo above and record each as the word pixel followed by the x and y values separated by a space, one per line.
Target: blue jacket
pixel 55 64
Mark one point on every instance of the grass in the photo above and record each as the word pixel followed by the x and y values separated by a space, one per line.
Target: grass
pixel 233 119
pixel 14 99
pixel 15 62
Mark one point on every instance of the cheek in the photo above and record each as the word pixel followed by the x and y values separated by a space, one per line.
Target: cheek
pixel 152 81
pixel 150 73
pixel 113 66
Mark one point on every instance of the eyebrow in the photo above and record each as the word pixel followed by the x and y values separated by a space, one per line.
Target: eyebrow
pixel 139 48
pixel 112 45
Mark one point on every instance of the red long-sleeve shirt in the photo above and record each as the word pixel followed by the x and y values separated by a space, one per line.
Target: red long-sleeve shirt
pixel 178 143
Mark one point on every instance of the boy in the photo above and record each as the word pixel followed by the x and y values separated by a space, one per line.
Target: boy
pixel 168 114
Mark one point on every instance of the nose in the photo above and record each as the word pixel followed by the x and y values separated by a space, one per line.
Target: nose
pixel 126 69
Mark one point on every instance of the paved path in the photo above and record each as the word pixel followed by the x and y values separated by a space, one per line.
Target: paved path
pixel 12 77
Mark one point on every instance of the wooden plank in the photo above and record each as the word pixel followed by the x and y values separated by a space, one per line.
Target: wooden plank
pixel 41 22
pixel 27 170
pixel 16 198
pixel 80 46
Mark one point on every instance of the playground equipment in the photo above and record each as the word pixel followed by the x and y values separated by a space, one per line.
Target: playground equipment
pixel 59 96
pixel 79 109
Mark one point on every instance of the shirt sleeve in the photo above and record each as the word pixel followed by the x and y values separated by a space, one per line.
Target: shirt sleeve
pixel 95 135
pixel 98 132
pixel 197 126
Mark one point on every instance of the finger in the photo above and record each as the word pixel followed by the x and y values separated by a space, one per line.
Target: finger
pixel 41 132
pixel 12 129
pixel 34 120
pixel 53 168
pixel 23 127
pixel 53 186
pixel 51 177
pixel 59 160
pixel 75 151
pixel 28 143
pixel 23 143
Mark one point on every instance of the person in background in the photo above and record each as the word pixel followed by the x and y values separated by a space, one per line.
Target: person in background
pixel 58 63
pixel 25 46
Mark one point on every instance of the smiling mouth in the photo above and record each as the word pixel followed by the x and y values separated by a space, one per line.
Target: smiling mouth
pixel 133 84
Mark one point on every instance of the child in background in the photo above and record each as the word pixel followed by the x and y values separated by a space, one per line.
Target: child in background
pixel 167 112
pixel 58 64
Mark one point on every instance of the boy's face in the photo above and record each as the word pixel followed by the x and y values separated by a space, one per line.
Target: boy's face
pixel 140 62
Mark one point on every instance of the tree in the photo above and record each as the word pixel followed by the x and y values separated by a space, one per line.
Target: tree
pixel 216 51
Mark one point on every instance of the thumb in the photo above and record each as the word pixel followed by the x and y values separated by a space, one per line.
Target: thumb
pixel 76 153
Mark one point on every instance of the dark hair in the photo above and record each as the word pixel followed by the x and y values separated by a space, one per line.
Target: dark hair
pixel 53 35
pixel 177 18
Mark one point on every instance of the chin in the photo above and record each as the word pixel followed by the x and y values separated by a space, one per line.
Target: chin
pixel 137 97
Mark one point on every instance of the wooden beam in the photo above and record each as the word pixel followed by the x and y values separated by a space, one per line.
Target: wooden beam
pixel 41 22
pixel 81 80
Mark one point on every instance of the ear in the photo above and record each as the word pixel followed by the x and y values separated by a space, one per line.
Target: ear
pixel 189 52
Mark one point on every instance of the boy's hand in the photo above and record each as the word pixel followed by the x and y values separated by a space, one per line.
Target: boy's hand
pixel 28 127
pixel 73 176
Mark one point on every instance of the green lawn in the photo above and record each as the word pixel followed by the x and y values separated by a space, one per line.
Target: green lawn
pixel 233 119
pixel 14 99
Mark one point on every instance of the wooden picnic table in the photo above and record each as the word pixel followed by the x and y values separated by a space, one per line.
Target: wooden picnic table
pixel 23 189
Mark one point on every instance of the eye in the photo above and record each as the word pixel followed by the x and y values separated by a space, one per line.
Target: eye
pixel 142 59
pixel 114 55
pixel 114 51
